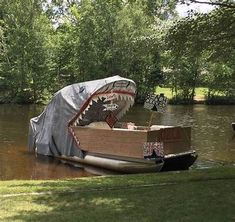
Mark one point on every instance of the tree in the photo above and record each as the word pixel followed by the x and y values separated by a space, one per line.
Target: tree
pixel 220 79
pixel 219 3
pixel 23 60
pixel 46 45
pixel 117 37
pixel 65 57
pixel 214 31
pixel 208 38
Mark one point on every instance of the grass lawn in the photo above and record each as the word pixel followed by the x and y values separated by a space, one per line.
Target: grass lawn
pixel 200 92
pixel 194 195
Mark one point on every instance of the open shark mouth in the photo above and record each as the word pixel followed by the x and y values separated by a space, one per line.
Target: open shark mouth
pixel 109 103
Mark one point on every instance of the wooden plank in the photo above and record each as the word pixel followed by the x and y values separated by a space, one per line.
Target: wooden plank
pixel 176 140
pixel 115 142
pixel 129 143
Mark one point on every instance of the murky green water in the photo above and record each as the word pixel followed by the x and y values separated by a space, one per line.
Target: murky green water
pixel 212 134
pixel 212 138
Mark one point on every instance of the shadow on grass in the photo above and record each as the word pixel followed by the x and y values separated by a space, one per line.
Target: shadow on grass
pixel 197 196
pixel 123 181
pixel 206 201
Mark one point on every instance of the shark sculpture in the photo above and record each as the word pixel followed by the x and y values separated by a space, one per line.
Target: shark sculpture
pixel 78 105
pixel 78 125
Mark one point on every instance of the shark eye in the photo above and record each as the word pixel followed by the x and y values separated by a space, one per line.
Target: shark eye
pixel 81 89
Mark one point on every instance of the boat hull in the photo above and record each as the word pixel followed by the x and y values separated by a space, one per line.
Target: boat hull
pixel 181 161
pixel 118 165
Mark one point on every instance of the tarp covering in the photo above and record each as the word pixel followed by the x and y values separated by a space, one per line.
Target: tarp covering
pixel 49 132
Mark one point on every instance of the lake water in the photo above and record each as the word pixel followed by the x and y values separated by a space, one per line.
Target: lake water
pixel 212 138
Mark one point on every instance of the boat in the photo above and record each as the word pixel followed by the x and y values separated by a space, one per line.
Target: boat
pixel 82 124
pixel 233 126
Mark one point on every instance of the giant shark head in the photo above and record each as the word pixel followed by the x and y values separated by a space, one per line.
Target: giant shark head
pixel 79 105
pixel 112 99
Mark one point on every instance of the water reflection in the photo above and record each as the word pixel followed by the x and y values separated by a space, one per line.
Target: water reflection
pixel 212 137
pixel 212 134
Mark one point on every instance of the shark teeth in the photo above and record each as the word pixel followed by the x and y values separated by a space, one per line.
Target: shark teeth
pixel 106 95
pixel 129 98
pixel 111 96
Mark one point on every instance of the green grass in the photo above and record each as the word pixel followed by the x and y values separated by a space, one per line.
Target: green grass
pixel 194 195
pixel 200 92
pixel 167 91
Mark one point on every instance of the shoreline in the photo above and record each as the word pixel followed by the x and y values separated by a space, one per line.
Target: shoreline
pixel 190 195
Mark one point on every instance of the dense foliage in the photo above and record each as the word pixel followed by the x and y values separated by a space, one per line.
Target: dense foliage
pixel 45 45
pixel 204 46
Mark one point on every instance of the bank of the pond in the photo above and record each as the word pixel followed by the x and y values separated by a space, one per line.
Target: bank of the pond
pixel 199 98
pixel 194 195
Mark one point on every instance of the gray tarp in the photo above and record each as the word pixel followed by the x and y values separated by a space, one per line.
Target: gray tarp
pixel 49 132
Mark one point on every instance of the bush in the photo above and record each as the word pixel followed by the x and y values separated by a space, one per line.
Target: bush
pixel 220 100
